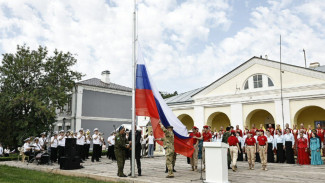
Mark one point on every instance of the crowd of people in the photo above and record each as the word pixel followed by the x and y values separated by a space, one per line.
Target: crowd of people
pixel 56 145
pixel 270 145
pixel 265 145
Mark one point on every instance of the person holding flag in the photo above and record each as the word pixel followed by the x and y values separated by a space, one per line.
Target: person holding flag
pixel 168 141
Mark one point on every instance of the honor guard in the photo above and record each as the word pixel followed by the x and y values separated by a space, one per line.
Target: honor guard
pixel 120 149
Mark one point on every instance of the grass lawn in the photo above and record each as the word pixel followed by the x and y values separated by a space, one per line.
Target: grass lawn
pixel 19 175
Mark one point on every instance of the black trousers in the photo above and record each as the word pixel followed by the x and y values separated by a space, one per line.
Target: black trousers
pixel 113 153
pixel 60 153
pixel 279 153
pixel 100 151
pixel 86 151
pixel 270 154
pixel 95 155
pixel 54 154
pixel 80 151
pixel 240 155
pixel 289 153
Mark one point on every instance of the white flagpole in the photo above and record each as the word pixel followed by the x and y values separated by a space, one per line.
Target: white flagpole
pixel 133 90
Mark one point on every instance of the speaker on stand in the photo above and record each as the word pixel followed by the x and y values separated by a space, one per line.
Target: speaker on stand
pixel 71 160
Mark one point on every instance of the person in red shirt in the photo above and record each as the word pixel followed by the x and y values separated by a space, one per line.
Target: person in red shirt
pixel 253 130
pixel 271 129
pixel 303 157
pixel 320 132
pixel 302 127
pixel 262 148
pixel 285 129
pixel 233 149
pixel 246 128
pixel 207 136
pixel 196 135
pixel 250 149
pixel 239 131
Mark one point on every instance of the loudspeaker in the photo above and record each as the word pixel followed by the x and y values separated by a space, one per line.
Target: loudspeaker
pixel 70 149
pixel 67 163
pixel 45 158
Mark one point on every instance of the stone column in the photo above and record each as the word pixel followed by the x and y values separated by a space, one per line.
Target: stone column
pixel 199 120
pixel 236 111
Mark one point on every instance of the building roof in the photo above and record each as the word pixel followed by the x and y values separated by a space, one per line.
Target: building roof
pixel 187 96
pixel 183 97
pixel 320 68
pixel 98 83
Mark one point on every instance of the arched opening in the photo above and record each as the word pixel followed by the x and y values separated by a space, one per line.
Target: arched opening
pixel 258 117
pixel 187 121
pixel 310 115
pixel 218 119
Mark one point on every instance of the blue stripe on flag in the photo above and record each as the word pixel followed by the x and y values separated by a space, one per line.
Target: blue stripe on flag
pixel 142 80
pixel 164 120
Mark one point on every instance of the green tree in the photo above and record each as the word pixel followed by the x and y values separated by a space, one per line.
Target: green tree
pixel 165 95
pixel 33 85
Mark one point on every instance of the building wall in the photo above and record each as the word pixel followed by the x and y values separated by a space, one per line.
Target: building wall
pixel 104 126
pixel 107 105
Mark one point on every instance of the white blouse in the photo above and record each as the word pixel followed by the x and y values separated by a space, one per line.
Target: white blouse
pixel 289 137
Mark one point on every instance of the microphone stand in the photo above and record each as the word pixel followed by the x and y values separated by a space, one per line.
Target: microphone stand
pixel 201 179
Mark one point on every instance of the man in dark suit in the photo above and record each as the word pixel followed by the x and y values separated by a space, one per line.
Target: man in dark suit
pixel 137 149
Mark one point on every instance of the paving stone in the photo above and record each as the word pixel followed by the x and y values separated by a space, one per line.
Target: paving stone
pixel 153 170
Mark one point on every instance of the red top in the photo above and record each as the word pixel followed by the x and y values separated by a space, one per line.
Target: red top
pixel 253 131
pixel 271 130
pixel 207 137
pixel 240 132
pixel 197 134
pixel 250 141
pixel 320 133
pixel 302 143
pixel 309 132
pixel 295 133
pixel 285 130
pixel 233 141
pixel 262 140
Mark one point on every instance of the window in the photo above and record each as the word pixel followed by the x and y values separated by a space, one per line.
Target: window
pixel 270 82
pixel 246 85
pixel 258 82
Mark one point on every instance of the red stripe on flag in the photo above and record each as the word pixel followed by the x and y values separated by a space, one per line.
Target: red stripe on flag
pixel 145 104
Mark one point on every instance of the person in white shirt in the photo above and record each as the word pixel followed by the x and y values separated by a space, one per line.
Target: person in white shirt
pixel 279 146
pixel 151 142
pixel 1 150
pixel 243 144
pixel 6 151
pixel 37 145
pixel 80 144
pixel 111 145
pixel 144 145
pixel 87 144
pixel 27 148
pixel 270 147
pixel 217 137
pixel 240 140
pixel 61 145
pixel 289 142
pixel 54 146
pixel 42 140
pixel 96 147
pixel 257 156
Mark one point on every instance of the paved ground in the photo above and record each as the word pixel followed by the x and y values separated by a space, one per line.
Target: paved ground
pixel 153 171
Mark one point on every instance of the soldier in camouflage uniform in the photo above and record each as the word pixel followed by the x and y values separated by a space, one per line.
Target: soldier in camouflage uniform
pixel 169 148
pixel 120 150
pixel 225 137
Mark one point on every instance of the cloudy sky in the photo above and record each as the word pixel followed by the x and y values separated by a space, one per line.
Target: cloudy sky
pixel 186 43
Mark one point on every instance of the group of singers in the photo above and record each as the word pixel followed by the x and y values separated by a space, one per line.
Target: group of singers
pixel 263 145
pixel 57 143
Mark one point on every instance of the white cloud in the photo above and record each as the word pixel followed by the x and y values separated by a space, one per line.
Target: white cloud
pixel 100 33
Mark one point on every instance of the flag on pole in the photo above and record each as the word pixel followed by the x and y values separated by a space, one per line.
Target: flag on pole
pixel 148 102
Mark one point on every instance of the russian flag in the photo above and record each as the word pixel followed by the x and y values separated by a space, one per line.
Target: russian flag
pixel 148 102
